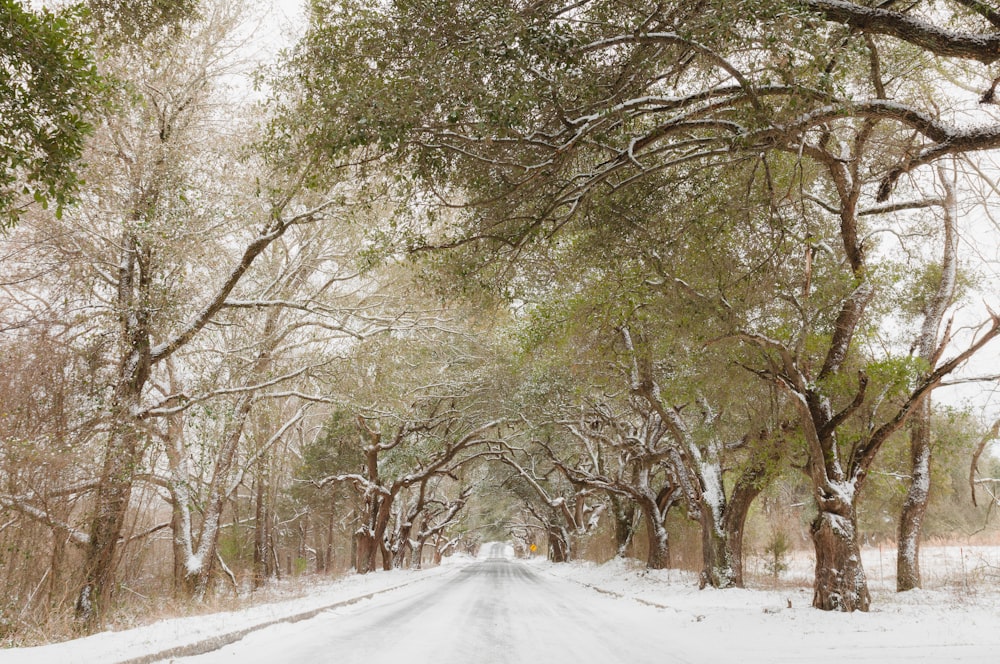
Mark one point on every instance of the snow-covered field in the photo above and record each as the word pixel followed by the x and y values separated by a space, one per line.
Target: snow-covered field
pixel 957 620
pixel 942 567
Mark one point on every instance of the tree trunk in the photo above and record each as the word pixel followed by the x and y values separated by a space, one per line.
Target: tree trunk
pixel 912 515
pixel 123 452
pixel 438 553
pixel 178 545
pixel 331 523
pixel 367 552
pixel 56 569
pixel 658 556
pixel 752 480
pixel 733 535
pixel 261 521
pixel 403 548
pixel 717 566
pixel 111 505
pixel 417 559
pixel 558 546
pixel 623 513
pixel 915 506
pixel 840 583
pixel 355 557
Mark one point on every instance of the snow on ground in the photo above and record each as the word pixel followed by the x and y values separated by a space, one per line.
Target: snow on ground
pixel 949 624
pixel 955 620
pixel 135 645
pixel 941 567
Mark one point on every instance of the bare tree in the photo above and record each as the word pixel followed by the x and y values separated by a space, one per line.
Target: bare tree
pixel 170 199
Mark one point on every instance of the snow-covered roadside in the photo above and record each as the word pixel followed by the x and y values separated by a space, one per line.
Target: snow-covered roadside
pixel 957 623
pixel 780 625
pixel 189 635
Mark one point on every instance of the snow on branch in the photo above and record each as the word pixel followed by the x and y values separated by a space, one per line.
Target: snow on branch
pixel 991 434
pixel 184 401
pixel 983 48
pixel 77 537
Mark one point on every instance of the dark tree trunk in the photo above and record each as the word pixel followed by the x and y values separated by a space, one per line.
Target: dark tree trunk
pixel 56 569
pixel 623 512
pixel 840 583
pixel 111 505
pixel 367 553
pixel 733 525
pixel 717 566
pixel 558 546
pixel 755 477
pixel 331 524
pixel 124 449
pixel 658 556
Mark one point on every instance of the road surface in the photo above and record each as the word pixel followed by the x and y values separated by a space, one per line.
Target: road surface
pixel 492 611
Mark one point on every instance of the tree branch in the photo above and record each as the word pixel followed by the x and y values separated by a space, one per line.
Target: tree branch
pixel 983 48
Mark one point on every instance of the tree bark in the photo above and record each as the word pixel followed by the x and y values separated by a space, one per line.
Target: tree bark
pixel 918 493
pixel 261 524
pixel 366 553
pixel 658 556
pixel 331 522
pixel 840 583
pixel 756 475
pixel 623 515
pixel 559 550
pixel 124 448
pixel 717 566
pixel 911 516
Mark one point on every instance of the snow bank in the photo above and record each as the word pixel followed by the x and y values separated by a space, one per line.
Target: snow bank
pixel 955 621
pixel 946 625
pixel 194 634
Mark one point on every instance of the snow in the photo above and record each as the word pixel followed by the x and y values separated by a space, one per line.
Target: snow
pixel 495 550
pixel 656 616
pixel 952 623
pixel 136 645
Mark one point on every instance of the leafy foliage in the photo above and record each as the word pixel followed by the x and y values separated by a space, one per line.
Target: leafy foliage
pixel 49 86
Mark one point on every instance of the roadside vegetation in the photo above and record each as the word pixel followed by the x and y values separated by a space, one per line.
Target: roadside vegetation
pixel 702 284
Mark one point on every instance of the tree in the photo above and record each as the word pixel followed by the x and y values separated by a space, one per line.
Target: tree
pixel 334 451
pixel 567 510
pixel 838 470
pixel 446 442
pixel 534 121
pixel 135 241
pixel 929 347
pixel 50 90
pixel 644 474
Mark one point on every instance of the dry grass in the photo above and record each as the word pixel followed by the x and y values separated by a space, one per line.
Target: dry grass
pixel 137 609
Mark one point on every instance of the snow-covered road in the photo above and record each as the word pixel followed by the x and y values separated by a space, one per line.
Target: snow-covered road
pixel 498 610
pixel 491 611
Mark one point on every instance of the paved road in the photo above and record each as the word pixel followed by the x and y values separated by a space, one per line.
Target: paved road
pixel 492 611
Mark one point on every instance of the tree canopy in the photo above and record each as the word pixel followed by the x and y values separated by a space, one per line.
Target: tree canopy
pixel 49 89
pixel 605 277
